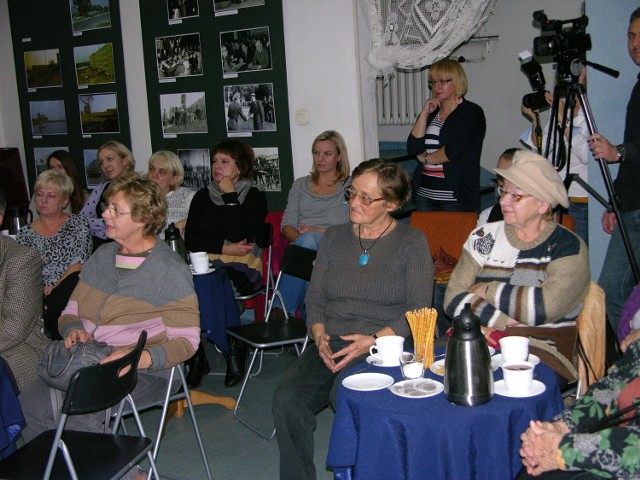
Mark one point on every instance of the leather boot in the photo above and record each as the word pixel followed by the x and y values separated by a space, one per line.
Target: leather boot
pixel 236 361
pixel 198 367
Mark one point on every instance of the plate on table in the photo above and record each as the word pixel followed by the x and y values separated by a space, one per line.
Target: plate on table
pixel 209 270
pixel 368 382
pixel 537 387
pixel 417 388
pixel 497 360
pixel 376 363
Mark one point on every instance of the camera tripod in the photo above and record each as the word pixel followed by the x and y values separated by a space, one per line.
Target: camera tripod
pixel 571 90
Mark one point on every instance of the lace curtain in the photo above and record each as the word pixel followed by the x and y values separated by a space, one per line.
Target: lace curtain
pixel 411 34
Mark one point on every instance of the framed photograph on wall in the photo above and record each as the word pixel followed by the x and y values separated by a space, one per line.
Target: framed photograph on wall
pixel 197 167
pixel 92 169
pixel 179 56
pixel 183 113
pixel 94 64
pixel 40 156
pixel 43 68
pixel 229 6
pixel 249 108
pixel 48 118
pixel 89 15
pixel 266 171
pixel 99 113
pixel 179 9
pixel 245 50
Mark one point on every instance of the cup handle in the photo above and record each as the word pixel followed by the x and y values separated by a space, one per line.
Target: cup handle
pixel 371 350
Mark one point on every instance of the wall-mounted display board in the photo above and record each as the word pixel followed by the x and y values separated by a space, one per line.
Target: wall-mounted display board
pixel 71 79
pixel 216 70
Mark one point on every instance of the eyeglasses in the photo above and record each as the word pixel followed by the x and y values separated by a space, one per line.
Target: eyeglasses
pixel 350 194
pixel 112 210
pixel 432 83
pixel 514 197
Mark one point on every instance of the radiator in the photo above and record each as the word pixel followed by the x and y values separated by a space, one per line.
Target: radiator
pixel 400 101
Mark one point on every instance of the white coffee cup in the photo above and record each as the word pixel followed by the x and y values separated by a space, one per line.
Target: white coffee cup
pixel 199 261
pixel 514 348
pixel 518 376
pixel 387 350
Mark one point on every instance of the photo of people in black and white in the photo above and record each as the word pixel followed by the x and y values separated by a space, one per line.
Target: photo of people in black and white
pixel 183 113
pixel 249 108
pixel 197 167
pixel 266 170
pixel 48 117
pixel 245 50
pixel 179 56
pixel 227 5
pixel 177 9
pixel 43 68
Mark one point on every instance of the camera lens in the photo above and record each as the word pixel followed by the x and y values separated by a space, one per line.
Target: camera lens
pixel 535 100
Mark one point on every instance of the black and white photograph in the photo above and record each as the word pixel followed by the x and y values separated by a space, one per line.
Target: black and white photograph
pixel 99 113
pixel 92 168
pixel 43 68
pixel 179 9
pixel 48 117
pixel 197 167
pixel 94 64
pixel 266 170
pixel 183 113
pixel 89 15
pixel 221 6
pixel 245 50
pixel 179 56
pixel 249 108
pixel 40 156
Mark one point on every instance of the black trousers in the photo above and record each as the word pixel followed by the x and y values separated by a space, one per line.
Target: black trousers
pixel 558 475
pixel 55 302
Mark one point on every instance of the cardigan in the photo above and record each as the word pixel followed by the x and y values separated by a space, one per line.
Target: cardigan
pixel 461 135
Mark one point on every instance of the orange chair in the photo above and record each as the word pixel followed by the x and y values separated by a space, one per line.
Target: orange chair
pixel 448 230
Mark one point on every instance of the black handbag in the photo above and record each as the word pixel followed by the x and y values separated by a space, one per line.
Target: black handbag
pixel 58 363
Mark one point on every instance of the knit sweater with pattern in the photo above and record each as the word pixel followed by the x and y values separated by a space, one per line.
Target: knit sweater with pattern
pixel 543 281
pixel 349 298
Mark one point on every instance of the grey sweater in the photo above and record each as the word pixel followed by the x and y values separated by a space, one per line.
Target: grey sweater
pixel 349 298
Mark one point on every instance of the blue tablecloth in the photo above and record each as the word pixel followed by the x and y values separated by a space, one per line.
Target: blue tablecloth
pixel 217 306
pixel 11 419
pixel 383 436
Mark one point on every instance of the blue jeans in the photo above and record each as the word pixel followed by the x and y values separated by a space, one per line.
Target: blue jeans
pixel 424 204
pixel 616 278
pixel 294 289
pixel 580 213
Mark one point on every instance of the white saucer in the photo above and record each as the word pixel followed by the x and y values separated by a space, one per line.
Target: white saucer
pixel 367 382
pixel 372 360
pixel 209 270
pixel 418 388
pixel 497 360
pixel 537 388
pixel 437 367
pixel 492 351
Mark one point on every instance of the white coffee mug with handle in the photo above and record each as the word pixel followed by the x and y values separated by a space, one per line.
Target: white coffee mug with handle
pixel 387 350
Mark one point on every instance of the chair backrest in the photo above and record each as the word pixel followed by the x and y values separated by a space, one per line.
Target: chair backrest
pixel 99 387
pixel 298 262
pixel 448 230
pixel 591 334
pixel 278 242
pixel 567 221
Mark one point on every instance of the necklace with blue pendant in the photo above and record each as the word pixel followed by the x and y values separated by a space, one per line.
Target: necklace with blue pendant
pixel 364 257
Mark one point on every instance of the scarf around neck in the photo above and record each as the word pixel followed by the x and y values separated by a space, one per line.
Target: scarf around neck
pixel 242 189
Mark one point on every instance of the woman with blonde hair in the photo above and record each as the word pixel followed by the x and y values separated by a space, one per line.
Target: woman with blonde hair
pixel 315 203
pixel 447 141
pixel 166 170
pixel 114 160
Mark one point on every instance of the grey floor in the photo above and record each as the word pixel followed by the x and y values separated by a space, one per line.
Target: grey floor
pixel 234 451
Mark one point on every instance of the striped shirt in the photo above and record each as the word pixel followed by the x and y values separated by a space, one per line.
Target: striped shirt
pixel 433 184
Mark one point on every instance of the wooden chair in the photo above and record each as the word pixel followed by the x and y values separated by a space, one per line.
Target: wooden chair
pixel 448 230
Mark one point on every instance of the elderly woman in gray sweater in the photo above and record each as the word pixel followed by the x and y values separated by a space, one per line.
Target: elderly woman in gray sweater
pixel 367 274
pixel 315 203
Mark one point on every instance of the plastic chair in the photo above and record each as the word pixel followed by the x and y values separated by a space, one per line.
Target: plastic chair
pixel 297 262
pixel 64 453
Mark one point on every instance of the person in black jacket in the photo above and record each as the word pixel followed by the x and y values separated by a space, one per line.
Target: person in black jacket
pixel 447 140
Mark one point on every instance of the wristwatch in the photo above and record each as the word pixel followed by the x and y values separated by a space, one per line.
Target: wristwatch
pixel 375 337
pixel 620 152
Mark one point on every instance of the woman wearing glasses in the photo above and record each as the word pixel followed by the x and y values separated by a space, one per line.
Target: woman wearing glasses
pixel 315 203
pixel 526 269
pixel 447 141
pixel 367 274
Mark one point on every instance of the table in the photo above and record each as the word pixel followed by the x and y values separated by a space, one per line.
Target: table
pixel 383 436
pixel 217 306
